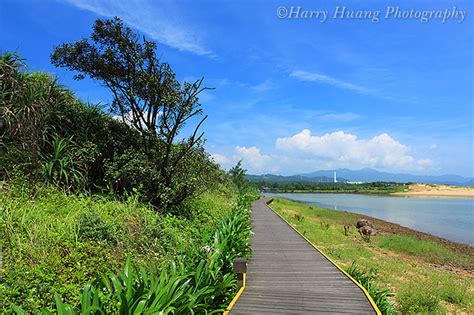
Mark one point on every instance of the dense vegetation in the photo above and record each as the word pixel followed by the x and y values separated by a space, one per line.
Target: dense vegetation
pixel 49 134
pixel 307 186
pixel 60 242
pixel 417 275
pixel 107 215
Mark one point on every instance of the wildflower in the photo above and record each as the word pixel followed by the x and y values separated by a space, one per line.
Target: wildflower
pixel 206 249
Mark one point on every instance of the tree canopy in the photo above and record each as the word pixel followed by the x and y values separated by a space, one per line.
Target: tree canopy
pixel 147 96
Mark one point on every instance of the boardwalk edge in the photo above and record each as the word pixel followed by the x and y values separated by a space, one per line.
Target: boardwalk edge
pixel 364 290
pixel 236 297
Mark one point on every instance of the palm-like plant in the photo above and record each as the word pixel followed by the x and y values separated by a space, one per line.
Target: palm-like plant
pixel 26 99
pixel 61 165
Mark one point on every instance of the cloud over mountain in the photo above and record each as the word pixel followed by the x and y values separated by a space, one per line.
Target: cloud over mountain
pixel 304 150
pixel 347 150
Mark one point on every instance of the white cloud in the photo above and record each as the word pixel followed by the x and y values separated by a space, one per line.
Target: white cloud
pixel 128 118
pixel 433 146
pixel 221 159
pixel 252 158
pixel 340 149
pixel 317 77
pixel 304 152
pixel 264 86
pixel 154 19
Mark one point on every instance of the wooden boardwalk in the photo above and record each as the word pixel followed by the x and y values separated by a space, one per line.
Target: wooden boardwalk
pixel 286 275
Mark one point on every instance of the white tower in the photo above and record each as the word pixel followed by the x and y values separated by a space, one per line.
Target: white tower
pixel 335 179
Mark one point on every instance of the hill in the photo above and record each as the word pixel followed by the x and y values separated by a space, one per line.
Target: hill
pixel 366 175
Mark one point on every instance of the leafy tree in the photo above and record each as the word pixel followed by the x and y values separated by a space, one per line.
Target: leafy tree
pixel 237 174
pixel 147 95
pixel 145 90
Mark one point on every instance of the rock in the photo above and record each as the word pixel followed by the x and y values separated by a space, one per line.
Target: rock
pixel 362 222
pixel 367 231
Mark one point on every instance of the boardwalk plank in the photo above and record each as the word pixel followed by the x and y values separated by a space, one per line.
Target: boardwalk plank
pixel 286 275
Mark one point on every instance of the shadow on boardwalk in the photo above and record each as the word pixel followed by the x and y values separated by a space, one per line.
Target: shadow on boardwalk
pixel 286 275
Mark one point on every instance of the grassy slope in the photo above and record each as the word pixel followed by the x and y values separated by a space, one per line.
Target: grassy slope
pixel 414 270
pixel 57 243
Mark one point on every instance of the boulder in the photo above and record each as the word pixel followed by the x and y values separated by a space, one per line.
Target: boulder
pixel 362 222
pixel 367 231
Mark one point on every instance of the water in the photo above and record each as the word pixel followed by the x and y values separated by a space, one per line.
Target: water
pixel 450 218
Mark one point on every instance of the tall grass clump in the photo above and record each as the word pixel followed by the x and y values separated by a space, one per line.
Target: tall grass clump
pixel 380 296
pixel 419 298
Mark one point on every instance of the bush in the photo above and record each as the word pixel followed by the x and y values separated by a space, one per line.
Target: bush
pixel 63 166
pixel 91 227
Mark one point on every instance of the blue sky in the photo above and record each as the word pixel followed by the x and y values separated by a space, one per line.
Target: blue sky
pixel 293 95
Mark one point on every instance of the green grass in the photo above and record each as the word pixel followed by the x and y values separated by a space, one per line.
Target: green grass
pixel 419 298
pixel 428 250
pixel 405 265
pixel 413 246
pixel 55 243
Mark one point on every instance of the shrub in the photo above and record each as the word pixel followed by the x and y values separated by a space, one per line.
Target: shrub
pixel 62 166
pixel 91 227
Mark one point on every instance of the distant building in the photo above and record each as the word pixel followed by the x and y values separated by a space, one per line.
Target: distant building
pixel 335 179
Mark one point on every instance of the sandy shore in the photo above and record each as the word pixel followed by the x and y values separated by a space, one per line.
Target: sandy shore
pixel 441 191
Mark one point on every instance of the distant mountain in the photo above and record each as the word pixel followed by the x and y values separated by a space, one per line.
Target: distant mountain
pixel 295 178
pixel 367 175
